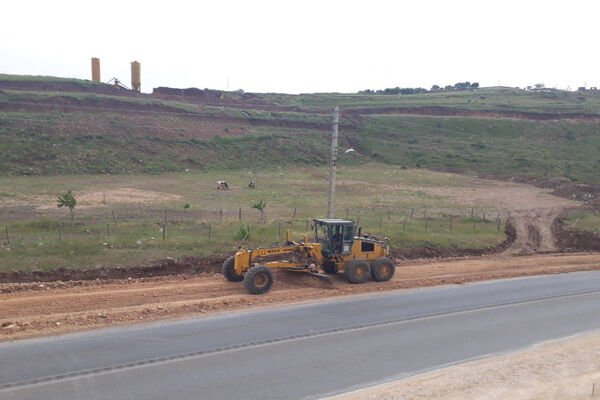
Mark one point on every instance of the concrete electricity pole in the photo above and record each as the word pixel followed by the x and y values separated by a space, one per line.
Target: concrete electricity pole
pixel 333 164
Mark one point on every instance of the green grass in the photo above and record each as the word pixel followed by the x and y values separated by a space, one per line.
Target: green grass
pixel 35 245
pixel 481 99
pixel 589 221
pixel 48 79
pixel 392 193
pixel 496 146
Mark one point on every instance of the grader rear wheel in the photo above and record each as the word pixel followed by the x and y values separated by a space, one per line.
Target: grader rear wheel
pixel 228 270
pixel 357 271
pixel 382 269
pixel 258 279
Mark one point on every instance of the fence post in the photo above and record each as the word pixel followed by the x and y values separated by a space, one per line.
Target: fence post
pixel 240 214
pixel 294 215
pixel 451 223
pixel 498 224
pixel 6 230
pixel 221 216
pixel 164 231
pixel 425 224
pixel 108 230
pixel 114 217
pixel 208 231
pixel 60 231
pixel 404 225
pixel 347 211
pixel 484 217
pixel 380 222
pixel 279 231
pixel 471 211
pixel 412 211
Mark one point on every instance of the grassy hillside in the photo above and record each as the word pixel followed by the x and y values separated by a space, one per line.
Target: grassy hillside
pixel 48 128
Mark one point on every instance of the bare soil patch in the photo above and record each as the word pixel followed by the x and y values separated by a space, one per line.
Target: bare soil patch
pixel 461 112
pixel 31 309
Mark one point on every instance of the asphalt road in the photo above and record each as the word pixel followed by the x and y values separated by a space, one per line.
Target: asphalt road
pixel 303 351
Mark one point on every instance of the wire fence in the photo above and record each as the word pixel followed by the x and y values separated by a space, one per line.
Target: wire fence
pixel 230 223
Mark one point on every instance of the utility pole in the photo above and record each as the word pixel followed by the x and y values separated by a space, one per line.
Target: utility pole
pixel 333 164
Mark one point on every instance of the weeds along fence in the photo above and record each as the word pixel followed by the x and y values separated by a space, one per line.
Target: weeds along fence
pixel 236 226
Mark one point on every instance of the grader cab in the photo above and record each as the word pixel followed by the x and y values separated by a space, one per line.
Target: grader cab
pixel 336 247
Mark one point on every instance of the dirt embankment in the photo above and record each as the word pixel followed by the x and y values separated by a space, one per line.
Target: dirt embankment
pixel 462 112
pixel 103 105
pixel 183 265
pixel 569 238
pixel 42 86
pixel 30 309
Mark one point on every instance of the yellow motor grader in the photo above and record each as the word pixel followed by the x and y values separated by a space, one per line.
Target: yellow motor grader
pixel 335 248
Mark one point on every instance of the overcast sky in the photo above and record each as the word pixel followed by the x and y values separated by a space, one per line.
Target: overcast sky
pixel 306 46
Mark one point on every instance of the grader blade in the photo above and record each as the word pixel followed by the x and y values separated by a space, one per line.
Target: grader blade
pixel 323 277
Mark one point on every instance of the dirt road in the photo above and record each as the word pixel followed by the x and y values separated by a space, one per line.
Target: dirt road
pixel 33 309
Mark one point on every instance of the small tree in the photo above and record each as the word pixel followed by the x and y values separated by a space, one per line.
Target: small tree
pixel 69 201
pixel 186 206
pixel 243 234
pixel 260 206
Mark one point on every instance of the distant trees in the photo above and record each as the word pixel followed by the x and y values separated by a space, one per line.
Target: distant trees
pixel 398 90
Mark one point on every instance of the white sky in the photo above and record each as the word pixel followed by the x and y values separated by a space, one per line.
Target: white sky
pixel 306 46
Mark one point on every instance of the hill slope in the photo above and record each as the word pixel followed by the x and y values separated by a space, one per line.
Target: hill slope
pixel 63 126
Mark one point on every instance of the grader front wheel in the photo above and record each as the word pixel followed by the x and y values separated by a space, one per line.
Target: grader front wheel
pixel 228 270
pixel 258 279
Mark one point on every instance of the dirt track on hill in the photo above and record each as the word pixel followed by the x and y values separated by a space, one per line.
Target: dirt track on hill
pixel 33 309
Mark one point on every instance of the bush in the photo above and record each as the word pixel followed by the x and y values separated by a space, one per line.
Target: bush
pixel 242 234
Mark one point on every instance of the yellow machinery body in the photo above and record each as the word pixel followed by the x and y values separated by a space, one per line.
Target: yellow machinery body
pixel 245 259
pixel 335 248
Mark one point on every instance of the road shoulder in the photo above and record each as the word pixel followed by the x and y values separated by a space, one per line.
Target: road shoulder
pixel 567 368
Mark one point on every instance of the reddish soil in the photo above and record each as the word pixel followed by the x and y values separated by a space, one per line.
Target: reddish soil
pixel 461 112
pixel 32 309
pixel 102 105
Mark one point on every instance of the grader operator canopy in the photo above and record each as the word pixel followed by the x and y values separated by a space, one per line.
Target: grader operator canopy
pixel 335 235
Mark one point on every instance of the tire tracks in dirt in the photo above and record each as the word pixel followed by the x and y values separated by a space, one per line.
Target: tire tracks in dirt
pixel 71 307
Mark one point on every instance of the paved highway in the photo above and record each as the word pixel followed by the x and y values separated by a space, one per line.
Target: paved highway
pixel 303 351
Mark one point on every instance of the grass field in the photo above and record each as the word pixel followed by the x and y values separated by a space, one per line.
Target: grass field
pixel 589 221
pixel 29 212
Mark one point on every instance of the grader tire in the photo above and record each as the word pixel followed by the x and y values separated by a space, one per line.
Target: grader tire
pixel 357 271
pixel 228 270
pixel 382 269
pixel 329 267
pixel 258 279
